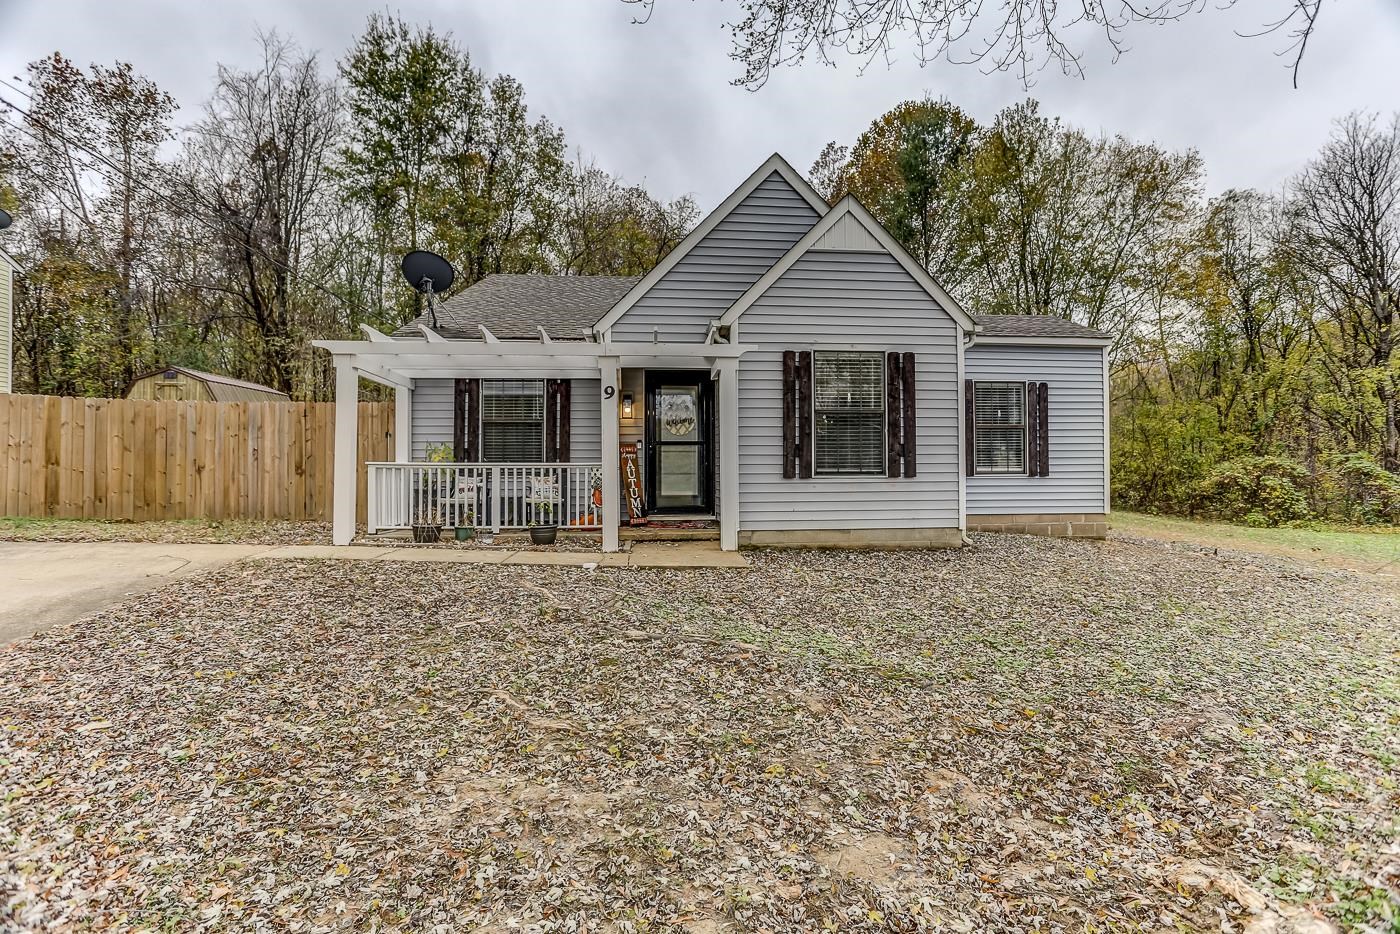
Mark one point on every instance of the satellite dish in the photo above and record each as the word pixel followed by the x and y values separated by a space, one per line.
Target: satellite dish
pixel 430 274
pixel 4 220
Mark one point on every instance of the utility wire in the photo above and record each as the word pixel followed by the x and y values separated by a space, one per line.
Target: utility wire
pixel 165 197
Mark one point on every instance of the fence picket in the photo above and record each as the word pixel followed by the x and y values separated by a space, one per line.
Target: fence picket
pixel 126 459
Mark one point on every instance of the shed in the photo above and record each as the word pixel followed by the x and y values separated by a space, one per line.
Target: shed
pixel 181 384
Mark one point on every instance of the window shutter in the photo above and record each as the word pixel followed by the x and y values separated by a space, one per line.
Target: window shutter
pixel 1032 429
pixel 969 426
pixel 911 428
pixel 804 412
pixel 789 414
pixel 557 420
pixel 894 409
pixel 1042 434
pixel 466 420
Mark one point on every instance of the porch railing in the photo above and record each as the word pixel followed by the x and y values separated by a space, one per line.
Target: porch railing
pixel 484 496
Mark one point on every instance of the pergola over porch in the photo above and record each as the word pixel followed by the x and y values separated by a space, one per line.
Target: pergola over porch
pixel 399 363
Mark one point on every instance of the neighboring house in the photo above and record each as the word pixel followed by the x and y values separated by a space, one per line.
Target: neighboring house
pixel 788 370
pixel 178 383
pixel 8 269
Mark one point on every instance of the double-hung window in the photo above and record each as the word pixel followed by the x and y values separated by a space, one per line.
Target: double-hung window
pixel 999 429
pixel 848 412
pixel 512 421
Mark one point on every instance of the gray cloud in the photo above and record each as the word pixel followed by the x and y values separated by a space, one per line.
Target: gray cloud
pixel 654 102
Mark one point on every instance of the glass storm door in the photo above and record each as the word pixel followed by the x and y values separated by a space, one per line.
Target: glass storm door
pixel 678 464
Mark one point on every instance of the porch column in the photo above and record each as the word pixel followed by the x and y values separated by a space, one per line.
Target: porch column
pixel 612 494
pixel 347 428
pixel 403 424
pixel 728 371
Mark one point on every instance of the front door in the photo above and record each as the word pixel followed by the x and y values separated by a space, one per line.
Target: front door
pixel 680 405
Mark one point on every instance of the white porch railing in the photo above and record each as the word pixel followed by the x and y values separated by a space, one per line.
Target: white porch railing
pixel 484 496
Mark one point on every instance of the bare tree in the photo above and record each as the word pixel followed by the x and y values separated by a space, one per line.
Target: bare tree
pixel 1025 36
pixel 258 164
pixel 1346 235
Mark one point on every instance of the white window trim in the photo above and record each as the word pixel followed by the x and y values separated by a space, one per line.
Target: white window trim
pixel 1025 430
pixel 883 472
pixel 481 414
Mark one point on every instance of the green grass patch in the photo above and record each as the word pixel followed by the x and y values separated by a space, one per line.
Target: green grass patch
pixel 1379 544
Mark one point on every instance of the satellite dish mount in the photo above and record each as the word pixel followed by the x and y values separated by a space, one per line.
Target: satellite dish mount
pixel 430 275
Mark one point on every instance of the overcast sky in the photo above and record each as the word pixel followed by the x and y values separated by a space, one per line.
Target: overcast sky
pixel 654 102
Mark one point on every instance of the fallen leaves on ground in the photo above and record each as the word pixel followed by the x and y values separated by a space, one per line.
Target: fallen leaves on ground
pixel 1021 735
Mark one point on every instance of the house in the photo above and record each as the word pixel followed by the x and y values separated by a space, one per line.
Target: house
pixel 788 370
pixel 8 269
pixel 178 383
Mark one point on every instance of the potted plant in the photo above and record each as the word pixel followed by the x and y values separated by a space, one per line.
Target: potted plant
pixel 427 525
pixel 543 528
pixel 466 531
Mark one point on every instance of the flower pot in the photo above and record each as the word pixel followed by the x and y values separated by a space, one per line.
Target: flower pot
pixel 543 534
pixel 427 534
pixel 464 533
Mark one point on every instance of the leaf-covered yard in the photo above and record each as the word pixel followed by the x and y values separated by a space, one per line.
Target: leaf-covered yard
pixel 1022 735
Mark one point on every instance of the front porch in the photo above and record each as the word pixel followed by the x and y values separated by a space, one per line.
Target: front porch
pixel 605 382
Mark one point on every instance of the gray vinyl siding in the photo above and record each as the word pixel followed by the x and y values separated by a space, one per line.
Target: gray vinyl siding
pixel 432 418
pixel 1074 376
pixel 6 328
pixel 718 269
pixel 835 300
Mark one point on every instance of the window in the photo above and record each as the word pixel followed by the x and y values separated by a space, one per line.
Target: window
pixel 999 432
pixel 512 420
pixel 848 397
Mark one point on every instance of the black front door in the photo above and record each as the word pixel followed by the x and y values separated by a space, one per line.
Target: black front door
pixel 680 406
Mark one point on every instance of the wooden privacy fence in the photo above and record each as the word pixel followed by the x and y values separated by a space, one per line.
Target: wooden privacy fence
pixel 132 459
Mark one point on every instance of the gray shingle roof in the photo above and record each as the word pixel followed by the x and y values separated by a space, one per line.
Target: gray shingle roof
pixel 1033 326
pixel 513 306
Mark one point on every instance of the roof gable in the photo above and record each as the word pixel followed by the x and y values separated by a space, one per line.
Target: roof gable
pixel 774 164
pixel 849 226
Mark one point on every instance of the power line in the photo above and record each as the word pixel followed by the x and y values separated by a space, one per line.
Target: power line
pixel 164 197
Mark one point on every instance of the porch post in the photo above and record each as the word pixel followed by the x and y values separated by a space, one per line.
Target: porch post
pixel 728 370
pixel 347 427
pixel 612 494
pixel 403 424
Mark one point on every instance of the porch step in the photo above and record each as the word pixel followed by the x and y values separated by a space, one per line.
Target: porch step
pixel 660 530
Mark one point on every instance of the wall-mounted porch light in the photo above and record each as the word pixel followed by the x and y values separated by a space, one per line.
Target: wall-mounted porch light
pixel 626 405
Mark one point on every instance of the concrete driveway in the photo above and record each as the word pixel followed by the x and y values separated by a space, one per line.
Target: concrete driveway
pixel 46 583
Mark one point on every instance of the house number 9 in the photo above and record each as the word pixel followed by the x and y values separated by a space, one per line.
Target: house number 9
pixel 609 392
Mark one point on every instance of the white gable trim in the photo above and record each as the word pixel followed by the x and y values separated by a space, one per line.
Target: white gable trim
pixel 774 163
pixel 9 261
pixel 849 207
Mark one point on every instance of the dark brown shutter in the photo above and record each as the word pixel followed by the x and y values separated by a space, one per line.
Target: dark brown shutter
pixel 804 412
pixel 789 414
pixel 911 428
pixel 894 413
pixel 566 420
pixel 1032 429
pixel 969 427
pixel 1042 448
pixel 459 420
pixel 557 419
pixel 466 420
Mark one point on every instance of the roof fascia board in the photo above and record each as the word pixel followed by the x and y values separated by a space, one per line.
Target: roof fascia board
pixel 1032 341
pixel 10 261
pixel 849 206
pixel 774 163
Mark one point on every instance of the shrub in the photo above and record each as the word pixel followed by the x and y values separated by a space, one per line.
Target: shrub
pixel 1261 491
pixel 1367 492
